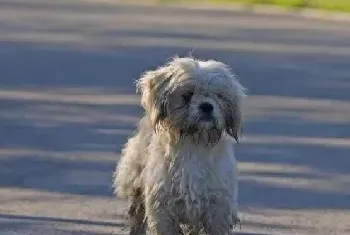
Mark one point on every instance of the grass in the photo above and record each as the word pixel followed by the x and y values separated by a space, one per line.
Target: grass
pixel 334 5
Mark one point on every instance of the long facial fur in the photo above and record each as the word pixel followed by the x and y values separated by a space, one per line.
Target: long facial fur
pixel 163 92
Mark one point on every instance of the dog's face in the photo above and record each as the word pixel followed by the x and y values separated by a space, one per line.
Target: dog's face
pixel 196 99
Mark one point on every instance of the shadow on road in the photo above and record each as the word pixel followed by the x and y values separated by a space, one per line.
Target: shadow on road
pixel 59 220
pixel 23 224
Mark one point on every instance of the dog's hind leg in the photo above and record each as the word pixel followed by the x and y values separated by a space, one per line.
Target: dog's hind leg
pixel 136 214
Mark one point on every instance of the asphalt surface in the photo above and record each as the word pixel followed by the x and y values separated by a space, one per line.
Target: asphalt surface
pixel 67 105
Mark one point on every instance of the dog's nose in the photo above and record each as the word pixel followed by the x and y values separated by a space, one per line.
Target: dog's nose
pixel 206 107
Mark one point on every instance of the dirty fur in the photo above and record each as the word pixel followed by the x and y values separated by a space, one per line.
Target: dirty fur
pixel 179 170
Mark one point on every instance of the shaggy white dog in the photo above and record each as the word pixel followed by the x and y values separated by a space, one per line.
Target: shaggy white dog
pixel 179 170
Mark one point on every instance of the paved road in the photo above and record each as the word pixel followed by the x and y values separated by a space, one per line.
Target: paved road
pixel 67 105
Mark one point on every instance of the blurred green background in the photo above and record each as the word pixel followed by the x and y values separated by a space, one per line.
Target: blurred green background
pixel 335 5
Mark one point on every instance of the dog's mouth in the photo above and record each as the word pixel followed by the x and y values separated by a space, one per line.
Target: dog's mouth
pixel 206 118
pixel 204 131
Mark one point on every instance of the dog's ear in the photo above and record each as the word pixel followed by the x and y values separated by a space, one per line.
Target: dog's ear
pixel 234 122
pixel 233 109
pixel 154 89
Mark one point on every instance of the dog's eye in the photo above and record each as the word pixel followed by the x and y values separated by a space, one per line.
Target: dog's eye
pixel 187 96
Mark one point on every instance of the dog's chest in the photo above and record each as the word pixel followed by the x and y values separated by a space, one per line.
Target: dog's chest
pixel 200 178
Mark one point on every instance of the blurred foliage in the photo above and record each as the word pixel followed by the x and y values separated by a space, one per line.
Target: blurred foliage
pixel 337 5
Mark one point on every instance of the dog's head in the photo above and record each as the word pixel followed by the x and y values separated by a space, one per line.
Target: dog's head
pixel 193 98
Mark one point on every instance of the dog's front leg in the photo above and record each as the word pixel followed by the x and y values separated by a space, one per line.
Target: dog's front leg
pixel 235 218
pixel 218 220
pixel 236 221
pixel 159 219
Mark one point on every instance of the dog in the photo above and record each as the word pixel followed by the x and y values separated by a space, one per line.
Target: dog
pixel 179 170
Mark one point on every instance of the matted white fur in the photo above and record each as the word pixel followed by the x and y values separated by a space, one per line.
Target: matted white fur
pixel 179 170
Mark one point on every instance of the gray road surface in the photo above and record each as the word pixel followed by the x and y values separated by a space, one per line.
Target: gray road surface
pixel 67 105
